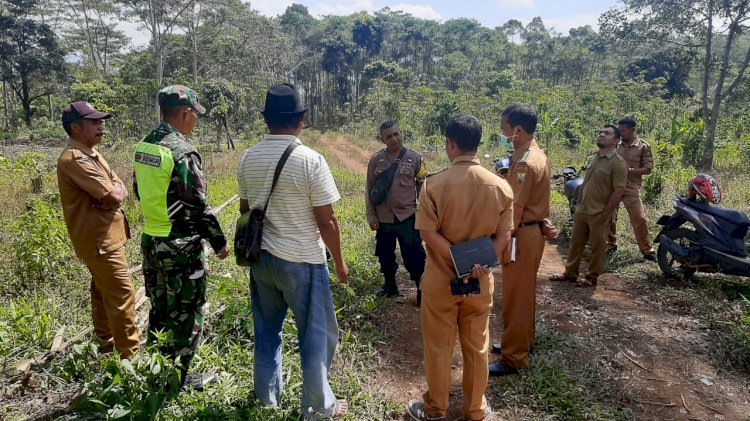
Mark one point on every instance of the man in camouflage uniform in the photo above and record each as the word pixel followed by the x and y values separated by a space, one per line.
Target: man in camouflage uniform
pixel 172 190
pixel 393 220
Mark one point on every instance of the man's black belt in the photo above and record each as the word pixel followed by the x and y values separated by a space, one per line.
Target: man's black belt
pixel 525 224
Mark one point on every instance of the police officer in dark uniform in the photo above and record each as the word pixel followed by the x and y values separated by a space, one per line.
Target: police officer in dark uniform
pixel 393 220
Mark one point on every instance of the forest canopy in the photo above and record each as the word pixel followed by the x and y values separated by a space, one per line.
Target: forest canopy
pixel 684 63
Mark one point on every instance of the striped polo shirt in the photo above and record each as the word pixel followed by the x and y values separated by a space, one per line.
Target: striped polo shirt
pixel 290 231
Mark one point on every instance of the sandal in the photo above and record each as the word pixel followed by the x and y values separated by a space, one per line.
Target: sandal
pixel 340 408
pixel 586 282
pixel 562 278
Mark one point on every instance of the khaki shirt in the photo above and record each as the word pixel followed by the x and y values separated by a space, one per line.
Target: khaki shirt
pixel 463 202
pixel 84 178
pixel 402 197
pixel 530 177
pixel 637 155
pixel 603 175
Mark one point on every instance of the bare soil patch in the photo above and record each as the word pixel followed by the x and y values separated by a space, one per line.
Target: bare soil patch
pixel 347 153
pixel 662 360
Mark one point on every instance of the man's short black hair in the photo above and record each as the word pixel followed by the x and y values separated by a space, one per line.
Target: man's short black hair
pixel 523 115
pixel 466 131
pixel 284 121
pixel 387 125
pixel 170 111
pixel 616 129
pixel 627 121
pixel 66 126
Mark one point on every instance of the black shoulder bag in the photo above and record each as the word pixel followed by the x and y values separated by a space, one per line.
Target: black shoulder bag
pixel 249 235
pixel 383 182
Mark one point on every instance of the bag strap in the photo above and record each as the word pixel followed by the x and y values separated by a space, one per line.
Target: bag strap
pixel 395 163
pixel 400 156
pixel 277 171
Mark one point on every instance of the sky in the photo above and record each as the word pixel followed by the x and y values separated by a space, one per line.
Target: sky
pixel 561 14
pixel 558 14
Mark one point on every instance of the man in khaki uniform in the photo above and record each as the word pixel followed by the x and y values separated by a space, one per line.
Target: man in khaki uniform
pixel 637 154
pixel 91 195
pixel 464 202
pixel 602 189
pixel 529 176
pixel 393 220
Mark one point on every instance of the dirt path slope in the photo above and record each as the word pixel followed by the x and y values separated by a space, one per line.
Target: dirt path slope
pixel 347 153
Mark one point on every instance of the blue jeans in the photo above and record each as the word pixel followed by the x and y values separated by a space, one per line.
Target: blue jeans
pixel 276 285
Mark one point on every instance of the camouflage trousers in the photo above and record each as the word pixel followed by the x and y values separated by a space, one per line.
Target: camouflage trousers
pixel 175 277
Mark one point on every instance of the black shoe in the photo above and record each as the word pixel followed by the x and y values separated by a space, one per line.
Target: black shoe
pixel 611 250
pixel 387 292
pixel 199 381
pixel 501 368
pixel 651 256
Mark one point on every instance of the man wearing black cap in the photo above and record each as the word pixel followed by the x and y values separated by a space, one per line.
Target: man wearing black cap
pixel 172 191
pixel 292 271
pixel 91 195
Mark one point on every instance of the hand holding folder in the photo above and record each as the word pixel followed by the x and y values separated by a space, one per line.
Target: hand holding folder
pixel 479 251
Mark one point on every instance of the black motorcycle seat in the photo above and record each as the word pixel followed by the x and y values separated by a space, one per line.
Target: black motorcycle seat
pixel 733 216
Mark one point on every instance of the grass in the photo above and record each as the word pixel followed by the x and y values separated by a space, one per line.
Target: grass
pixel 558 386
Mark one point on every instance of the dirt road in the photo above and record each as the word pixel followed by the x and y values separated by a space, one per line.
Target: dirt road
pixel 347 153
pixel 659 357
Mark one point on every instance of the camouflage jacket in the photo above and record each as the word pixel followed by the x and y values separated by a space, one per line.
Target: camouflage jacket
pixel 187 186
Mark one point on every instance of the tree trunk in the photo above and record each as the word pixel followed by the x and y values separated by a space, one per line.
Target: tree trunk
pixel 195 62
pixel 5 107
pixel 218 135
pixel 26 102
pixel 156 40
pixel 706 75
pixel 707 159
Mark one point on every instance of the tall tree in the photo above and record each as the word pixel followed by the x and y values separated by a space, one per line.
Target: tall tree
pixel 711 28
pixel 29 53
pixel 203 22
pixel 159 18
pixel 92 27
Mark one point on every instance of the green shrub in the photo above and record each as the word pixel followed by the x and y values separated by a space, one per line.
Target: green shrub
pixel 26 326
pixel 132 388
pixel 46 129
pixel 40 243
pixel 666 176
pixel 739 342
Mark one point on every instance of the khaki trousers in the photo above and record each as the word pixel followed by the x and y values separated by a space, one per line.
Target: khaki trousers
pixel 113 302
pixel 632 201
pixel 440 318
pixel 519 296
pixel 594 229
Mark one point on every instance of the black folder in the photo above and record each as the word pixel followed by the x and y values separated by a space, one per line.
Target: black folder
pixel 469 253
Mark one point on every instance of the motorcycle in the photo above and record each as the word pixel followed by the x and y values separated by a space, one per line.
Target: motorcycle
pixel 501 165
pixel 572 180
pixel 701 237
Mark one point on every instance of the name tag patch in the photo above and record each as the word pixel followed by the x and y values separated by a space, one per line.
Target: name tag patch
pixel 147 159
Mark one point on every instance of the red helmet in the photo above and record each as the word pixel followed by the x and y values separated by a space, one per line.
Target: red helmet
pixel 703 188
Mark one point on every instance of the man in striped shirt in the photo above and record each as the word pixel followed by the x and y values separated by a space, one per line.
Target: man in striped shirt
pixel 292 272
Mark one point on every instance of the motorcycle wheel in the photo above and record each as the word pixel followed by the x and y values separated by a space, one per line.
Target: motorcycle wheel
pixel 668 263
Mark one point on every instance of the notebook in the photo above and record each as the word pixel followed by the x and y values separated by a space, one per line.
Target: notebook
pixel 469 253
